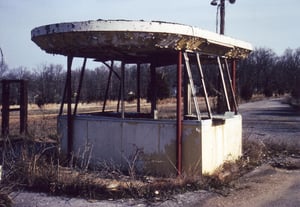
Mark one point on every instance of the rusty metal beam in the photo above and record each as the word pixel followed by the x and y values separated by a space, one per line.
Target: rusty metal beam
pixel 138 86
pixel 123 90
pixel 179 114
pixel 69 106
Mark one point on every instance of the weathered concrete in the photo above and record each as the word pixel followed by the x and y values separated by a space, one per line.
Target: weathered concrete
pixel 222 142
pixel 206 145
pixel 114 39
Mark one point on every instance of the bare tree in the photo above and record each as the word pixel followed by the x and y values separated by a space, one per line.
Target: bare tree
pixel 3 66
pixel 256 73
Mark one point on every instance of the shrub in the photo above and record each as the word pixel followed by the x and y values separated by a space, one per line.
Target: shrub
pixel 246 92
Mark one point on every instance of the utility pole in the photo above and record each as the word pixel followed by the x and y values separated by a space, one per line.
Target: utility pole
pixel 221 5
pixel 221 8
pixel 222 17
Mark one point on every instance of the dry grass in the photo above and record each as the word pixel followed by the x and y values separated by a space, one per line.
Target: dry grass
pixel 35 163
pixel 43 170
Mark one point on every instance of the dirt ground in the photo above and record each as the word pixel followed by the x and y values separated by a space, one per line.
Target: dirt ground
pixel 265 186
pixel 263 121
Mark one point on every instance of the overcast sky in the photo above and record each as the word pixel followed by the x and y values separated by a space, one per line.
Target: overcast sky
pixel 269 23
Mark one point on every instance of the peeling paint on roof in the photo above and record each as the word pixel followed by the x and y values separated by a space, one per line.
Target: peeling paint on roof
pixel 106 39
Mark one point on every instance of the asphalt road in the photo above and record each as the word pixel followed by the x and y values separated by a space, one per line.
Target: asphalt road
pixel 271 120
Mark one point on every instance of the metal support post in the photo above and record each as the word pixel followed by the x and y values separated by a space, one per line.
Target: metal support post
pixel 223 83
pixel 138 86
pixel 179 114
pixel 119 95
pixel 5 107
pixel 79 86
pixel 234 75
pixel 69 106
pixel 108 84
pixel 187 95
pixel 234 103
pixel 189 73
pixel 123 90
pixel 153 89
pixel 23 97
pixel 23 107
pixel 61 109
pixel 204 86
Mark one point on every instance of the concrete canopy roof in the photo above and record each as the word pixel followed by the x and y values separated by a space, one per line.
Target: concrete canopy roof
pixel 133 41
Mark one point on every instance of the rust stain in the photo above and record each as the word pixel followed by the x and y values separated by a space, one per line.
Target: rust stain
pixel 192 151
pixel 161 163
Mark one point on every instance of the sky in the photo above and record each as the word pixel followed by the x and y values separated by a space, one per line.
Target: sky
pixel 271 24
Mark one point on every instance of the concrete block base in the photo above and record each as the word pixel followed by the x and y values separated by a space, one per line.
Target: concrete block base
pixel 207 144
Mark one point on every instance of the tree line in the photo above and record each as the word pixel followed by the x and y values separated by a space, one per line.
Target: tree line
pixel 263 72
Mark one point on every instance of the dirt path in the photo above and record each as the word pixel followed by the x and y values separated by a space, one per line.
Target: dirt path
pixel 267 120
pixel 265 186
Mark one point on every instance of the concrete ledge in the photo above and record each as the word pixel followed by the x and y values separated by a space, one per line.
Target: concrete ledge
pixel 205 145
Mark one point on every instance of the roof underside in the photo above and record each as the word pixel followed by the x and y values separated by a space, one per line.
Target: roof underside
pixel 133 41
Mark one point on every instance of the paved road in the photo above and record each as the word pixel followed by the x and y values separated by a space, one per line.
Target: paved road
pixel 271 120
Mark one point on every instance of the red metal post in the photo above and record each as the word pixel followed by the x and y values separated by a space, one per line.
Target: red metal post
pixel 179 114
